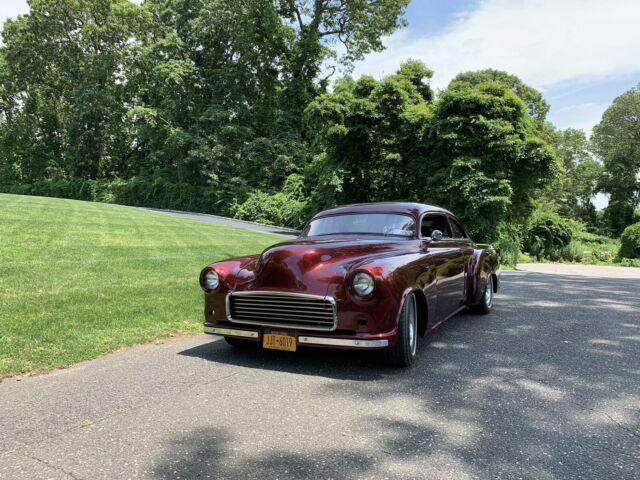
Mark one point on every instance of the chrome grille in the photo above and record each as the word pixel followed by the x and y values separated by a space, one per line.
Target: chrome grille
pixel 295 310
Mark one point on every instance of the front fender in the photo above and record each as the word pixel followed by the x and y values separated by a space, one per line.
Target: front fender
pixel 228 270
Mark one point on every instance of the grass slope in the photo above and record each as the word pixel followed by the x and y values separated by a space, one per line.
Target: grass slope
pixel 79 279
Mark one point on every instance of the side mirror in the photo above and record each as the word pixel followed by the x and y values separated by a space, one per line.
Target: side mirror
pixel 436 235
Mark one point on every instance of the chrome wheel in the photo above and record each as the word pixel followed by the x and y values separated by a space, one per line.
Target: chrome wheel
pixel 413 325
pixel 488 292
pixel 403 353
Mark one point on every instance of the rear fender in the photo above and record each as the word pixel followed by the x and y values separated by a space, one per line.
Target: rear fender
pixel 482 264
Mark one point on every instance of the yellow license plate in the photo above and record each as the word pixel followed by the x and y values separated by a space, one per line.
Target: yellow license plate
pixel 279 341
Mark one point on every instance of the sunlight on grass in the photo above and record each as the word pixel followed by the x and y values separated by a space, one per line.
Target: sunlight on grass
pixel 79 279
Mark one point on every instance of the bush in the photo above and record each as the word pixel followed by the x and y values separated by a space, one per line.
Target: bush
pixel 604 253
pixel 630 242
pixel 276 209
pixel 591 238
pixel 548 236
pixel 508 251
pixel 574 252
pixel 508 244
pixel 136 191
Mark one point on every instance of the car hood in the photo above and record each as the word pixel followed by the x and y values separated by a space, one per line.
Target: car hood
pixel 313 264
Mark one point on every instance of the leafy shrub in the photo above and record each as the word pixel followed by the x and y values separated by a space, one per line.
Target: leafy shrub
pixel 548 235
pixel 508 252
pixel 574 252
pixel 276 209
pixel 603 253
pixel 628 262
pixel 524 257
pixel 508 244
pixel 630 242
pixel 136 191
pixel 591 238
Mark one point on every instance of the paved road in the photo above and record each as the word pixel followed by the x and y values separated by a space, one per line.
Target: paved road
pixel 547 387
pixel 231 222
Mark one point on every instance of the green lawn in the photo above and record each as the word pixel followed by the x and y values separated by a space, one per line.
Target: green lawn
pixel 80 279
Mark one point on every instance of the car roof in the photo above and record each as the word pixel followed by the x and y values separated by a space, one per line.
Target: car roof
pixel 410 208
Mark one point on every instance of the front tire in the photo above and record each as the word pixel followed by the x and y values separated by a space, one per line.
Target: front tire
pixel 485 305
pixel 403 354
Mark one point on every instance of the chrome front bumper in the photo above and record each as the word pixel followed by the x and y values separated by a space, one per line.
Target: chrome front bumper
pixel 231 331
pixel 303 339
pixel 342 342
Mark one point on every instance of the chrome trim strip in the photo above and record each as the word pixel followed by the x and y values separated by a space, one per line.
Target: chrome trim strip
pixel 343 342
pixel 231 331
pixel 259 293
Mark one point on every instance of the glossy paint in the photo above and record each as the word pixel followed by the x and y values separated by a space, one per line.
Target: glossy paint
pixel 444 275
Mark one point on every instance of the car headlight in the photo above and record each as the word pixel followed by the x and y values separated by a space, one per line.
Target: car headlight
pixel 363 284
pixel 211 280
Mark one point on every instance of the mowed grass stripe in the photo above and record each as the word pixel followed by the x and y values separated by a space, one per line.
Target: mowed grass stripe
pixel 80 279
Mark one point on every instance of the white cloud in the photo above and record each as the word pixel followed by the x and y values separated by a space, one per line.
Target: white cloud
pixel 542 41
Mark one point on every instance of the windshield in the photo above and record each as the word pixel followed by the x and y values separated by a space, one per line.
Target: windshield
pixel 388 224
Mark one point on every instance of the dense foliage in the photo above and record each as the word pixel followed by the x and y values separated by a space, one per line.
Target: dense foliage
pixel 207 93
pixel 617 140
pixel 549 236
pixel 630 242
pixel 237 108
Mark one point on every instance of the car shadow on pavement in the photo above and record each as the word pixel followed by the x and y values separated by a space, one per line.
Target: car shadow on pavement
pixel 330 363
pixel 544 387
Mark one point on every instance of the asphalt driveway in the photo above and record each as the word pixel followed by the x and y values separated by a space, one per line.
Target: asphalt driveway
pixel 547 387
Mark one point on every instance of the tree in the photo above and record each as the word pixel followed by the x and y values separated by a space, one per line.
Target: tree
pixel 472 151
pixel 208 74
pixel 571 194
pixel 65 60
pixel 202 92
pixel 617 142
pixel 486 163
pixel 370 138
pixel 537 107
pixel 358 25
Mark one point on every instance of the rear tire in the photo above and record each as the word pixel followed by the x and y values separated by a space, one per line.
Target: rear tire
pixel 403 354
pixel 486 303
pixel 241 343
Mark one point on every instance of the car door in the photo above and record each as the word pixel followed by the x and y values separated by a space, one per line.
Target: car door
pixel 444 259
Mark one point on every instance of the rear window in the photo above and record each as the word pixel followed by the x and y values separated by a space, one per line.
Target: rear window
pixel 385 224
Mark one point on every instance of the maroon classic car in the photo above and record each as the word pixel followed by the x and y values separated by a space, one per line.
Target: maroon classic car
pixel 368 276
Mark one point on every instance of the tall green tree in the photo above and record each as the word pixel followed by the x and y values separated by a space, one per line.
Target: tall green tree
pixel 208 81
pixel 370 138
pixel 537 107
pixel 473 150
pixel 487 164
pixel 572 193
pixel 617 142
pixel 69 90
pixel 320 25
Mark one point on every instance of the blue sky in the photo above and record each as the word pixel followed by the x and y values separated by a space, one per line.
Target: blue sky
pixel 580 53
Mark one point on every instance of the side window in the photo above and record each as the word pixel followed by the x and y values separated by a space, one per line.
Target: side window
pixel 435 222
pixel 457 230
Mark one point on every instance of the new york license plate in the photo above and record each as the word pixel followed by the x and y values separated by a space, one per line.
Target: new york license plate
pixel 279 341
